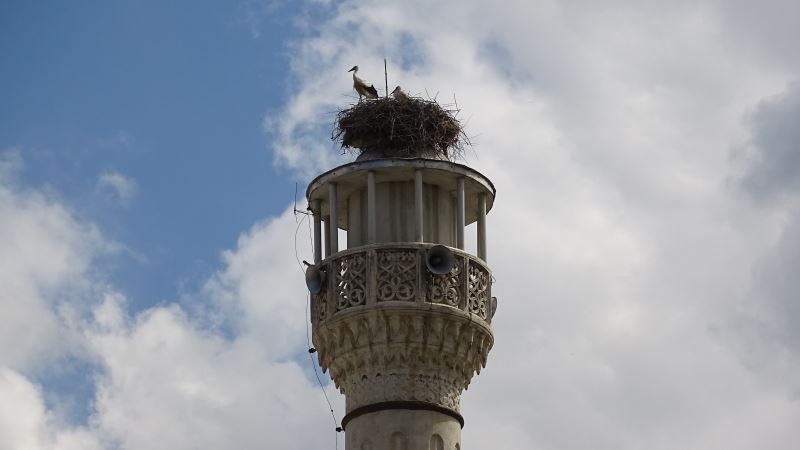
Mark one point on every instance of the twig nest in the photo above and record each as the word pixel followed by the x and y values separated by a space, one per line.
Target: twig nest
pixel 390 128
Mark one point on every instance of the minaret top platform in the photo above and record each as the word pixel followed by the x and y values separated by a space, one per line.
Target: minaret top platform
pixel 445 174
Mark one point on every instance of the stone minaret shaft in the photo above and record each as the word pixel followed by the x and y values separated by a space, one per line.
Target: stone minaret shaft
pixel 402 320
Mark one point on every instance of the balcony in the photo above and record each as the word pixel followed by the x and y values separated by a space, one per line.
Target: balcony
pixel 386 274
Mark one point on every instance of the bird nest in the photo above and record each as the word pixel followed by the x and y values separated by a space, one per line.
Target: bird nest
pixel 405 128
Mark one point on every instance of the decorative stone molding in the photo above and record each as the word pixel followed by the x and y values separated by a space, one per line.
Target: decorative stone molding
pixel 375 387
pixel 388 330
pixel 319 307
pixel 445 289
pixel 411 352
pixel 397 273
pixel 349 277
pixel 478 290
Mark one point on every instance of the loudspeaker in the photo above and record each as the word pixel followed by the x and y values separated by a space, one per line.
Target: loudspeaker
pixel 440 259
pixel 315 279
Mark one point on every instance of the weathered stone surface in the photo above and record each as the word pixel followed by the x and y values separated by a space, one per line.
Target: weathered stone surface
pixel 411 352
pixel 403 430
pixel 400 340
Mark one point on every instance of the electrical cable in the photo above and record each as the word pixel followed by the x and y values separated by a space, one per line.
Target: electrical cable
pixel 306 319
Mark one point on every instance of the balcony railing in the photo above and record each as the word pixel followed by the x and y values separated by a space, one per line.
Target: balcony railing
pixel 375 274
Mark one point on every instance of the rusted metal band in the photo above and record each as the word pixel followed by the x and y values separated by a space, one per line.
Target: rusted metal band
pixel 408 405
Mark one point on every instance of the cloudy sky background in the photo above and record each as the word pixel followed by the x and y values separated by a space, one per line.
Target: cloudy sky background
pixel 645 237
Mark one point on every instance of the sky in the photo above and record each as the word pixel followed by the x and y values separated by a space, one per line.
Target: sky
pixel 645 238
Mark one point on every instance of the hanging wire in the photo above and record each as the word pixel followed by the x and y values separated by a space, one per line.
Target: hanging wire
pixel 296 255
pixel 337 428
pixel 311 349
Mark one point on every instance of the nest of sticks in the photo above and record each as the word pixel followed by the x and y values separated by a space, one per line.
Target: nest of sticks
pixel 401 128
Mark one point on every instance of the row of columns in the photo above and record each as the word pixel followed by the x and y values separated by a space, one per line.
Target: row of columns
pixel 331 221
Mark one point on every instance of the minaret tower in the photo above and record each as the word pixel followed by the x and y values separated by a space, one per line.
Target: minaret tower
pixel 401 318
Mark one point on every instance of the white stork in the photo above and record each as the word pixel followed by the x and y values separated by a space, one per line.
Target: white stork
pixel 361 86
pixel 398 94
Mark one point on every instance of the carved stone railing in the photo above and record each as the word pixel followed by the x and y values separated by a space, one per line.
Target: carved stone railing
pixel 387 330
pixel 369 275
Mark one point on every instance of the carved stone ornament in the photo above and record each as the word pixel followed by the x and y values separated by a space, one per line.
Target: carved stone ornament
pixel 478 290
pixel 350 281
pixel 421 352
pixel 397 274
pixel 387 329
pixel 446 289
pixel 320 306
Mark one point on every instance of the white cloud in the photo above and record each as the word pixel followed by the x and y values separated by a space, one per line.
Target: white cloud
pixel 10 163
pixel 233 372
pixel 261 286
pixel 628 315
pixel 774 159
pixel 770 179
pixel 22 412
pixel 623 256
pixel 122 187
pixel 47 278
pixel 45 260
pixel 26 424
pixel 176 381
pixel 169 384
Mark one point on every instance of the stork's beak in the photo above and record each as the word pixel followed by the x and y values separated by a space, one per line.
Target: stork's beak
pixel 354 68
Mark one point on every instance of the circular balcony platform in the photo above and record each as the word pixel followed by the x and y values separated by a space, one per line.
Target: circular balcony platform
pixel 388 330
pixel 391 275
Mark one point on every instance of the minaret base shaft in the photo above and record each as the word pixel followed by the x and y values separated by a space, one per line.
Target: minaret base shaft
pixel 402 429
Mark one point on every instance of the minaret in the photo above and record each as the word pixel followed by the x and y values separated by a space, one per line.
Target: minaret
pixel 401 318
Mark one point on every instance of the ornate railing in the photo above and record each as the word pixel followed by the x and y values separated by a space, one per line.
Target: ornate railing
pixel 370 275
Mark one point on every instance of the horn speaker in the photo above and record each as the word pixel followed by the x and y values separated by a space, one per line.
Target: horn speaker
pixel 315 279
pixel 440 259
